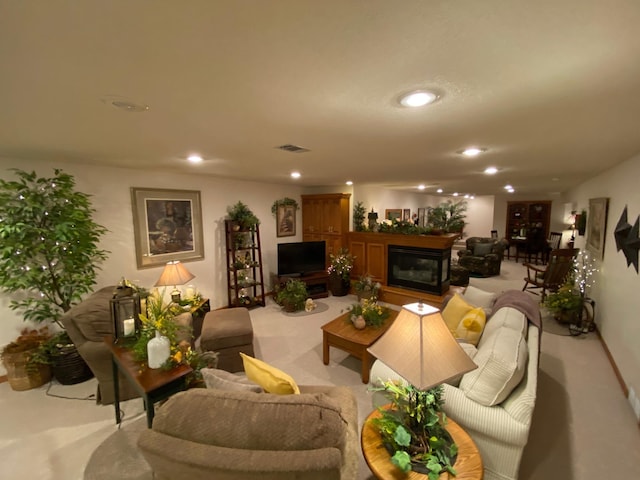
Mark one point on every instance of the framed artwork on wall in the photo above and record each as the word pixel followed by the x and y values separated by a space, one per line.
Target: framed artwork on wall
pixel 393 213
pixel 167 225
pixel 422 218
pixel 406 214
pixel 596 226
pixel 286 221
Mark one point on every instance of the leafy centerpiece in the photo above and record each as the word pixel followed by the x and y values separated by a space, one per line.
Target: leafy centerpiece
pixel 371 312
pixel 339 271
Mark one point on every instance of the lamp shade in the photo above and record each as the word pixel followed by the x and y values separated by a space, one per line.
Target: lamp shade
pixel 174 273
pixel 419 347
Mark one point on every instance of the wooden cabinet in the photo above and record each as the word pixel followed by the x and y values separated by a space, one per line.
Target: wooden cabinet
pixel 326 217
pixel 524 215
pixel 245 283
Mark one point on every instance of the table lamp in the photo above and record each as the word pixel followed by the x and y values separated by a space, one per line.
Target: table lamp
pixel 419 347
pixel 175 274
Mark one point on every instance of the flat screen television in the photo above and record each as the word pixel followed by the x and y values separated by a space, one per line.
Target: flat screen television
pixel 301 258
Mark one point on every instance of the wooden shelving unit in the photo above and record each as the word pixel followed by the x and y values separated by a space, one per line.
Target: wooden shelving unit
pixel 244 266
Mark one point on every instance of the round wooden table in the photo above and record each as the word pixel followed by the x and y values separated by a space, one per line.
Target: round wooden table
pixel 468 464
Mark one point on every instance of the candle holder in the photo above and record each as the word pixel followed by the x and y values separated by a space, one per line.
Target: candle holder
pixel 125 314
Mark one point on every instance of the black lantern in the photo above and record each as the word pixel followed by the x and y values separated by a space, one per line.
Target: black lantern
pixel 125 314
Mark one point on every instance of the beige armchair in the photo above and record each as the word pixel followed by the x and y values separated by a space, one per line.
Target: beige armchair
pixel 234 435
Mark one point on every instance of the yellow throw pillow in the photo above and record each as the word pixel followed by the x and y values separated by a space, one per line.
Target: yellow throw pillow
pixel 269 378
pixel 454 311
pixel 471 326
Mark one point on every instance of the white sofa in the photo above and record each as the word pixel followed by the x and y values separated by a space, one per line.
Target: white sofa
pixel 494 403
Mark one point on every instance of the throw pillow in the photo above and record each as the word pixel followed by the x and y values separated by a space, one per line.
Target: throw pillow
pixel 223 380
pixel 471 326
pixel 269 378
pixel 481 249
pixel 480 298
pixel 452 314
pixel 502 361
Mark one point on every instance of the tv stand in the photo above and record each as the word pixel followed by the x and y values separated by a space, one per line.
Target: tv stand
pixel 317 283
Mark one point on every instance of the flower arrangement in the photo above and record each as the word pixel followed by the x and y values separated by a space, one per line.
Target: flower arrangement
pixel 373 313
pixel 565 300
pixel 341 264
pixel 158 316
pixel 413 430
pixel 365 286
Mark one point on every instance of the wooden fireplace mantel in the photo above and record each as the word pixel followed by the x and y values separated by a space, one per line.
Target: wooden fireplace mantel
pixel 370 250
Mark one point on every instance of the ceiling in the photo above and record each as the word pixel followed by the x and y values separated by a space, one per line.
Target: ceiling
pixel 550 88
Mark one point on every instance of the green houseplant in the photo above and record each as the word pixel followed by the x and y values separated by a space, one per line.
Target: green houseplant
pixel 26 361
pixel 365 287
pixel 284 202
pixel 293 295
pixel 358 217
pixel 242 215
pixel 448 216
pixel 413 430
pixel 49 252
pixel 565 304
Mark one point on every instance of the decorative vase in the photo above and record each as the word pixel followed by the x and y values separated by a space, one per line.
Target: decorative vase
pixel 339 286
pixel 358 322
pixel 157 350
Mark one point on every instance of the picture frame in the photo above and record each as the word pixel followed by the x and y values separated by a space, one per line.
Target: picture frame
pixel 406 214
pixel 167 226
pixel 393 213
pixel 422 217
pixel 286 221
pixel 597 225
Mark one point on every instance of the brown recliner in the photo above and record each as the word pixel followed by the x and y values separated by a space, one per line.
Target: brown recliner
pixel 87 323
pixel 232 435
pixel 483 256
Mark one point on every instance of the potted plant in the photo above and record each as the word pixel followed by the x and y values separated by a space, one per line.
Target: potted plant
pixel 293 295
pixel 242 216
pixel 365 287
pixel 371 312
pixel 25 360
pixel 565 304
pixel 50 252
pixel 358 217
pixel 447 217
pixel 284 202
pixel 413 430
pixel 339 271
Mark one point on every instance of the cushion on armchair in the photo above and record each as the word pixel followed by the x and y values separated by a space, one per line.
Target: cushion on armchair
pixel 481 249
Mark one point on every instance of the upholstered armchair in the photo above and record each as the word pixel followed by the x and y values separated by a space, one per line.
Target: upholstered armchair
pixel 482 256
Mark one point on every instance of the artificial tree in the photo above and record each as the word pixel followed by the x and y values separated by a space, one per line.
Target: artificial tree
pixel 449 216
pixel 49 252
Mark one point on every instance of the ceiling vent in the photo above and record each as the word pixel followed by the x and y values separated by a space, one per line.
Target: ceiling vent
pixel 293 148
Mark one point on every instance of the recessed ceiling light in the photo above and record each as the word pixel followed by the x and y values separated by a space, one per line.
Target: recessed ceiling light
pixel 455 194
pixel 421 187
pixel 295 175
pixel 471 197
pixel 511 190
pixel 491 170
pixel 194 158
pixel 417 98
pixel 439 190
pixel 349 182
pixel 472 151
pixel 508 187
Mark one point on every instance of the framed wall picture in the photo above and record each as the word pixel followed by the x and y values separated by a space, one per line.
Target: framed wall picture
pixel 422 217
pixel 167 225
pixel 406 214
pixel 286 221
pixel 597 225
pixel 393 213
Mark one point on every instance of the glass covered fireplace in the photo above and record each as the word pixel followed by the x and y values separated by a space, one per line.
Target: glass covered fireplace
pixel 422 269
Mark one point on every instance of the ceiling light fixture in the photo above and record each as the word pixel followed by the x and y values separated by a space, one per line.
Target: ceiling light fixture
pixel 295 175
pixel 417 98
pixel 421 187
pixel 194 158
pixel 455 194
pixel 472 151
pixel 439 190
pixel 491 170
pixel 125 104
pixel 349 182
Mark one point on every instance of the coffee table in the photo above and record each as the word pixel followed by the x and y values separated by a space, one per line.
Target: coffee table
pixel 468 464
pixel 153 384
pixel 340 333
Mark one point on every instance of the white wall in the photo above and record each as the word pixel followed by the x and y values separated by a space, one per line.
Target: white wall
pixel 111 198
pixel 617 286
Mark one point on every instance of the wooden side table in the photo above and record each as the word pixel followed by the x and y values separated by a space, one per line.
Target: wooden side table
pixel 153 384
pixel 468 464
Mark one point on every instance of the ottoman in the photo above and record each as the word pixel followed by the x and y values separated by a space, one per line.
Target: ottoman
pixel 228 332
pixel 459 276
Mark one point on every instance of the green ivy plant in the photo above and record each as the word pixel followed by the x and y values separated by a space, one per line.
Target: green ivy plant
pixel 49 251
pixel 413 430
pixel 286 201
